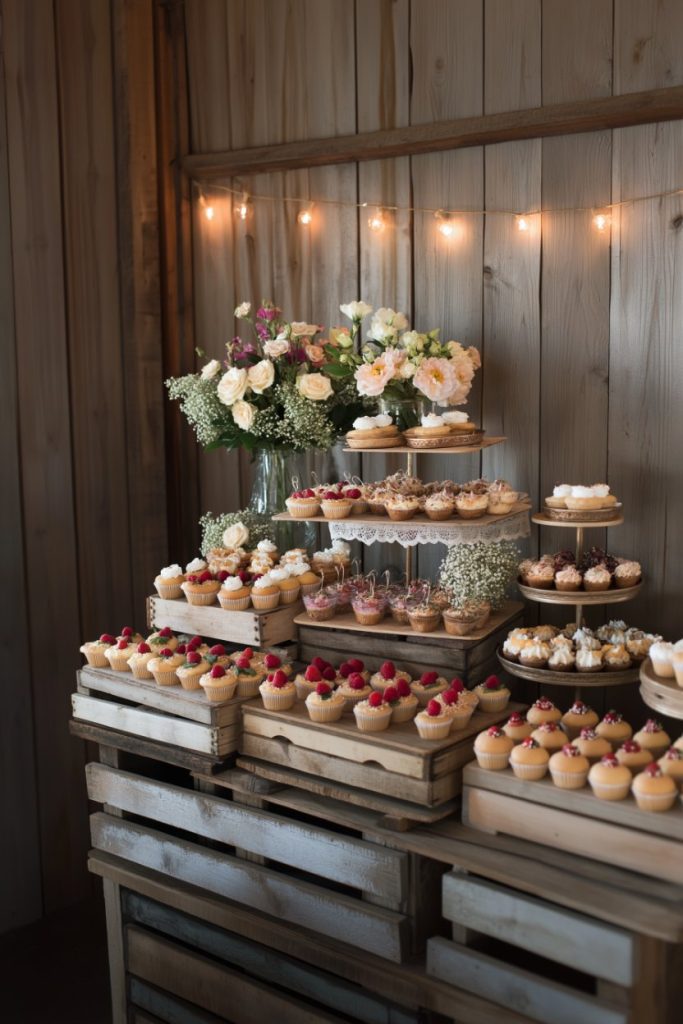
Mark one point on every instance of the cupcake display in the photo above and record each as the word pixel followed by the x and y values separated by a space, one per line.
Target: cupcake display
pixel 612 647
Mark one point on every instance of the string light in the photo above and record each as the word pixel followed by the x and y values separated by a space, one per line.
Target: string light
pixel 305 217
pixel 377 222
pixel 243 208
pixel 448 227
pixel 601 221
pixel 522 223
pixel 209 211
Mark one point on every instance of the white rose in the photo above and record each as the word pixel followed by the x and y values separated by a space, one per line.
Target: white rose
pixel 302 330
pixel 235 536
pixel 276 347
pixel 356 310
pixel 232 386
pixel 407 369
pixel 211 369
pixel 386 323
pixel 243 310
pixel 261 376
pixel 314 386
pixel 243 414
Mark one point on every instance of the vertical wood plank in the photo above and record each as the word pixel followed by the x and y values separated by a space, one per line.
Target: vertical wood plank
pixel 44 417
pixel 446 38
pixel 115 951
pixel 140 285
pixel 647 50
pixel 20 848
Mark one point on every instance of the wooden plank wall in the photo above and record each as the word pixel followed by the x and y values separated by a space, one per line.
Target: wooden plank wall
pixel 577 329
pixel 83 510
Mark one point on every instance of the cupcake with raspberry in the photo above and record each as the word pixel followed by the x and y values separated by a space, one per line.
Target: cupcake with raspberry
pixel 609 779
pixel 493 694
pixel 335 505
pixel 164 637
pixel 633 756
pixel 348 668
pixel 457 707
pixel 234 594
pixel 354 689
pixel 357 496
pixel 201 589
pixel 307 681
pixel 372 715
pixel 579 717
pixel 139 661
pixel 387 675
pixel 164 667
pixel 399 712
pixel 218 684
pixel 95 650
pixel 191 671
pixel 492 749
pixel 324 704
pixel 569 768
pixel 433 722
pixel 653 738
pixel 169 582
pixel 130 635
pixel 543 710
pixel 278 693
pixel 517 727
pixel 249 677
pixel 216 655
pixel 671 764
pixel 529 760
pixel 427 687
pixel 273 662
pixel 592 746
pixel 550 736
pixel 255 658
pixel 303 504
pixel 614 728
pixel 119 654
pixel 653 790
pixel 265 594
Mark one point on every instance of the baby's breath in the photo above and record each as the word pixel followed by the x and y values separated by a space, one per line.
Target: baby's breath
pixel 479 572
pixel 214 526
pixel 199 402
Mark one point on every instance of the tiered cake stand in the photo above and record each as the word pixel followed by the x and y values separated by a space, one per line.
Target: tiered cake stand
pixel 662 695
pixel 579 600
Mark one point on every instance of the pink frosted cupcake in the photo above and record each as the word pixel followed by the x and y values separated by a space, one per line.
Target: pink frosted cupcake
pixel 324 704
pixel 277 692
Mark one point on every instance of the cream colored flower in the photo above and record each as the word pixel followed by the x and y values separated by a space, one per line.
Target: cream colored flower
pixel 232 386
pixel 243 310
pixel 475 357
pixel 372 378
pixel 315 354
pixel 276 347
pixel 261 376
pixel 301 330
pixel 243 414
pixel 436 379
pixel 235 536
pixel 211 369
pixel 455 349
pixel 357 310
pixel 408 370
pixel 385 325
pixel 314 386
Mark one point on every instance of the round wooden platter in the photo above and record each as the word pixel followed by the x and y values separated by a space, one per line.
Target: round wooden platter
pixel 662 695
pixel 459 440
pixel 543 519
pixel 575 597
pixel 580 680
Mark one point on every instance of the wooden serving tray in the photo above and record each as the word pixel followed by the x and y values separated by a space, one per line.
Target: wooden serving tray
pixel 455 449
pixel 545 519
pixel 583 516
pixel 263 629
pixel 574 597
pixel 419 518
pixel 662 695
pixel 615 832
pixel 548 677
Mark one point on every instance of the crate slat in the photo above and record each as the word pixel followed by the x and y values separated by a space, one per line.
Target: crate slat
pixel 262 629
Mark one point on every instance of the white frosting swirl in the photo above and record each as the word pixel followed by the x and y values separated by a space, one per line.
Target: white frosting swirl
pixel 562 491
pixel 196 565
pixel 600 490
pixel 264 581
pixel 365 423
pixel 171 572
pixel 383 420
pixel 267 546
pixel 432 420
pixel 232 583
pixel 297 568
pixel 454 417
pixel 582 492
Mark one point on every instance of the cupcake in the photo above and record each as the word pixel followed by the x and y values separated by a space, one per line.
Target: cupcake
pixel 303 504
pixel 529 760
pixel 677 663
pixel 351 667
pixel 609 779
pixel 632 755
pixel 671 764
pixel 248 677
pixel 369 609
pixel 266 548
pixel 139 661
pixel 440 505
pixel 265 594
pixel 517 727
pixel 119 654
pixel 460 711
pixel 94 650
pixel 653 790
pixel 614 728
pixel 428 686
pixel 195 567
pixel 568 579
pixel 402 702
pixel 335 506
pixel 597 578
pixel 534 654
pixel 661 656
pixel 401 507
pixel 424 617
pixel 306 578
pixel 569 768
pixel 492 749
pixel 433 723
pixel 163 638
pixel 217 684
pixel 169 582
pixel 616 658
pixel 354 689
pixel 461 620
pixel 288 582
pixel 387 675
pixel 591 745
pixel 320 606
pixel 579 717
pixel 550 736
pixel 501 498
pixel 493 694
pixel 513 644
pixel 653 738
pixel 562 659
pixel 628 574
pixel 217 655
pixel 278 693
pixel 234 595
pixel 372 715
pixel 201 589
pixel 253 658
pixel 523 570
pixel 588 660
pixel 470 505
pixel 191 671
pixel 541 575
pixel 164 667
pixel 543 710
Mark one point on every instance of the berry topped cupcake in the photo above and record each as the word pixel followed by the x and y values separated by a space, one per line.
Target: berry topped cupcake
pixel 493 694
pixel 94 650
pixel 139 661
pixel 218 684
pixel 428 686
pixel 614 728
pixel 579 717
pixel 433 723
pixel 163 638
pixel 324 704
pixel 303 504
pixel 671 764
pixel 653 738
pixel 492 749
pixel 550 736
pixel 354 689
pixel 217 655
pixel 164 667
pixel 248 677
pixel 517 727
pixel 130 636
pixel 372 715
pixel 348 668
pixel 388 675
pixel 119 654
pixel 543 710
pixel 201 588
pixel 653 790
pixel 569 768
pixel 273 662
pixel 608 779
pixel 633 756
pixel 307 681
pixel 191 671
pixel 277 692
pixel 403 706
pixel 592 746
pixel 529 760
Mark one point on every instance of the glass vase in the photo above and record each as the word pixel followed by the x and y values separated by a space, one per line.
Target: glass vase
pixel 406 412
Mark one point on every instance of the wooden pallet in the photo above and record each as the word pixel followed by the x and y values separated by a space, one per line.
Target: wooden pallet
pixel 616 832
pixel 260 629
pixel 396 762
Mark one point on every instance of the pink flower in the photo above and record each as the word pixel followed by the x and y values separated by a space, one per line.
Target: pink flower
pixel 372 378
pixel 395 358
pixel 436 378
pixel 315 354
pixel 473 353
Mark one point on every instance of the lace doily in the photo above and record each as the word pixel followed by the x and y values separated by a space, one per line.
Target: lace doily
pixel 409 534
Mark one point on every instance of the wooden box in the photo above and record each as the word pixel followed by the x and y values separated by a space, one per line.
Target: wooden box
pixel 259 629
pixel 615 832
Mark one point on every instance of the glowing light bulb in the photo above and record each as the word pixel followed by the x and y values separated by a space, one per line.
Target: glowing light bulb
pixel 209 212
pixel 243 207
pixel 523 223
pixel 305 217
pixel 601 221
pixel 447 226
pixel 377 223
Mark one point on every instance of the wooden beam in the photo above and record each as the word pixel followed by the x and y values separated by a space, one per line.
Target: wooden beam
pixel 536 122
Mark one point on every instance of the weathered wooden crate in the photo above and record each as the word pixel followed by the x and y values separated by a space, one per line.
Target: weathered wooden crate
pixel 615 832
pixel 472 660
pixel 337 885
pixel 260 629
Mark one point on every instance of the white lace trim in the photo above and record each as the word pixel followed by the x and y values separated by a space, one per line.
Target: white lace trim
pixel 409 534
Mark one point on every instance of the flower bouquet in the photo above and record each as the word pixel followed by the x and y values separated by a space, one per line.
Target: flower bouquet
pixel 273 391
pixel 402 365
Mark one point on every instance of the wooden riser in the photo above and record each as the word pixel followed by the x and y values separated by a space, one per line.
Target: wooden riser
pixel 260 629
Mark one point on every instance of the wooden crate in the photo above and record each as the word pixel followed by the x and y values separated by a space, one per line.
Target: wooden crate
pixel 576 821
pixel 347 882
pixel 395 763
pixel 260 629
pixel 472 660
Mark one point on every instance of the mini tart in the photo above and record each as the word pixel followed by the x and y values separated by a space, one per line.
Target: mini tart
pixel 562 659
pixel 653 738
pixel 543 710
pixel 439 506
pixel 165 670
pixel 614 728
pixel 277 698
pixel 426 693
pixel 534 653
pixel 517 727
pixel 610 780
pixel 218 689
pixel 633 756
pixel 370 719
pixel 579 717
pixel 492 749
pixel 119 657
pixel 592 746
pixel 492 699
pixel 201 593
pixel 653 790
pixel 550 736
pixel 672 764
pixel 588 660
pixel 569 768
pixel 529 760
pixel 616 658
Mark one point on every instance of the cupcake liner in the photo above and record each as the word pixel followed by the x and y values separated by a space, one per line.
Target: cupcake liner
pixel 216 693
pixel 336 509
pixel 471 513
pixel 201 600
pixel 277 701
pixel 303 688
pixel 403 713
pixel 359 507
pixel 567 587
pixel 626 581
pixel 248 687
pixel 234 604
pixel 456 628
pixel 424 625
pixel 302 510
pixel 493 762
pixel 371 723
pixel 400 515
pixel 140 671
pixel 265 602
pixel 118 663
pixel 529 772
pixel 369 618
pixel 327 712
pixel 96 659
pixel 190 682
pixel 460 718
pixel 499 508
pixel 592 587
pixel 376 508
pixel 433 730
pixel 493 701
pixel 165 677
pixel 169 591
pixel 613 791
pixel 655 801
pixel 290 596
pixel 569 780
pixel 350 700
pixel 439 514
